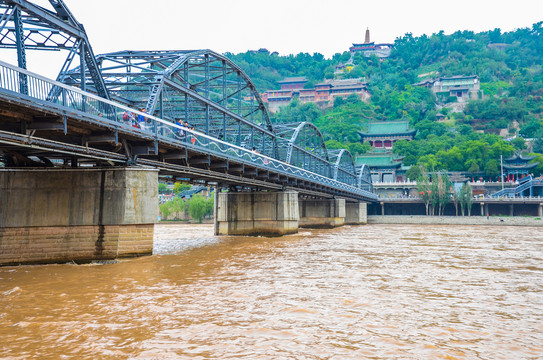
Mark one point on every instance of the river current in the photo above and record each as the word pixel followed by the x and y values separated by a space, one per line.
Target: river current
pixel 355 292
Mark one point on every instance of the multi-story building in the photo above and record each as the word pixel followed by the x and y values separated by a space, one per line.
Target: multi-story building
pixel 384 165
pixel 323 94
pixel 293 83
pixel 462 87
pixel 383 134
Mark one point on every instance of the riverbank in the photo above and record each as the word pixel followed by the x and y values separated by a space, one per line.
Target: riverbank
pixel 455 220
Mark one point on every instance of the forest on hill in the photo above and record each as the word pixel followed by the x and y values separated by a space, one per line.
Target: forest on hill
pixel 510 70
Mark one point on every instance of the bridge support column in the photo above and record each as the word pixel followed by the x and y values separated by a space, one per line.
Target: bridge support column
pixel 382 208
pixel 482 208
pixel 511 209
pixel 60 215
pixel 356 213
pixel 328 213
pixel 540 210
pixel 256 213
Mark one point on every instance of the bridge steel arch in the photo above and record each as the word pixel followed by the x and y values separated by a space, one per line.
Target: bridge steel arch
pixel 202 87
pixel 302 145
pixel 27 26
pixel 364 178
pixel 343 166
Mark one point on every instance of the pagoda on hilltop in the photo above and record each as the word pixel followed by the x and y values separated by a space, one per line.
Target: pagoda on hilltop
pixel 369 47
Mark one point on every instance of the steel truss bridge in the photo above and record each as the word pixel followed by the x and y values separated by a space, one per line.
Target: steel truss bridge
pixel 89 115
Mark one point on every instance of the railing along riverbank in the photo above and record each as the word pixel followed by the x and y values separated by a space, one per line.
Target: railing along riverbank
pixel 456 220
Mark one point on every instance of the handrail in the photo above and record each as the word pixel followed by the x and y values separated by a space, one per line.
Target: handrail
pixel 38 87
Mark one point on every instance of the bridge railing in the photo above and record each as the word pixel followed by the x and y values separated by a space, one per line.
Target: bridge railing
pixel 24 83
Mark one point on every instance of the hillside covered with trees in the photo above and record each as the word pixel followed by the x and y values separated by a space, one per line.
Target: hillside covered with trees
pixel 510 70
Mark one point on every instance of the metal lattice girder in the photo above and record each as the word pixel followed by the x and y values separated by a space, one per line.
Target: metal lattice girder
pixel 198 86
pixel 201 87
pixel 364 178
pixel 343 166
pixel 27 26
pixel 302 145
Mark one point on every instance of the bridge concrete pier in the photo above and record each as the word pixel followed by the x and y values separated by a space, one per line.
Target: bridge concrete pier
pixel 60 215
pixel 356 213
pixel 327 213
pixel 256 213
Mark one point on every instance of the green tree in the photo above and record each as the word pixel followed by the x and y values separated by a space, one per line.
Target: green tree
pixel 538 144
pixel 532 129
pixel 466 198
pixel 444 186
pixel 210 205
pixel 166 210
pixel 178 206
pixel 455 198
pixel 179 186
pixel 519 143
pixel 473 167
pixel 491 168
pixel 338 101
pixel 424 190
pixel 197 207
pixel 414 172
pixel 162 188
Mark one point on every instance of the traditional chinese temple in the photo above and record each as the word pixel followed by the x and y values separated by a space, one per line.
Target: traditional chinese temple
pixel 323 94
pixel 384 134
pixel 369 48
pixel 293 83
pixel 460 86
pixel 384 166
pixel 517 166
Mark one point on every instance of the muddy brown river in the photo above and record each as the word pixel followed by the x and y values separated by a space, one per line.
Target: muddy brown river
pixel 365 292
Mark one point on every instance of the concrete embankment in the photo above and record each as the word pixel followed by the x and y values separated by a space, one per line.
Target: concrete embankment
pixel 456 220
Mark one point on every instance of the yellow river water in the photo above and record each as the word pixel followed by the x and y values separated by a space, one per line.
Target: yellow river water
pixel 364 292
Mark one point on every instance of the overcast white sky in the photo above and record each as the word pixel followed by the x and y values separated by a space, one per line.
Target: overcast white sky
pixel 286 26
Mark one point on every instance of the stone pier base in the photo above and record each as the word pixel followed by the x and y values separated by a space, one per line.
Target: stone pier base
pixel 356 213
pixel 54 244
pixel 60 215
pixel 327 213
pixel 256 213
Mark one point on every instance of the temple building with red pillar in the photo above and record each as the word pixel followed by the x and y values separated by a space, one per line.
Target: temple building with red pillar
pixel 383 134
pixel 518 166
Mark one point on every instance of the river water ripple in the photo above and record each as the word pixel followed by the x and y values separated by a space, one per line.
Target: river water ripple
pixel 366 292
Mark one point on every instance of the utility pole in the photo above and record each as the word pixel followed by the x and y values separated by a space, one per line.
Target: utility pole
pixel 501 162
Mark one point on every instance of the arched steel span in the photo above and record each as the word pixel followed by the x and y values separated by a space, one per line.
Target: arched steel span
pixel 364 178
pixel 343 166
pixel 26 26
pixel 302 145
pixel 201 87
